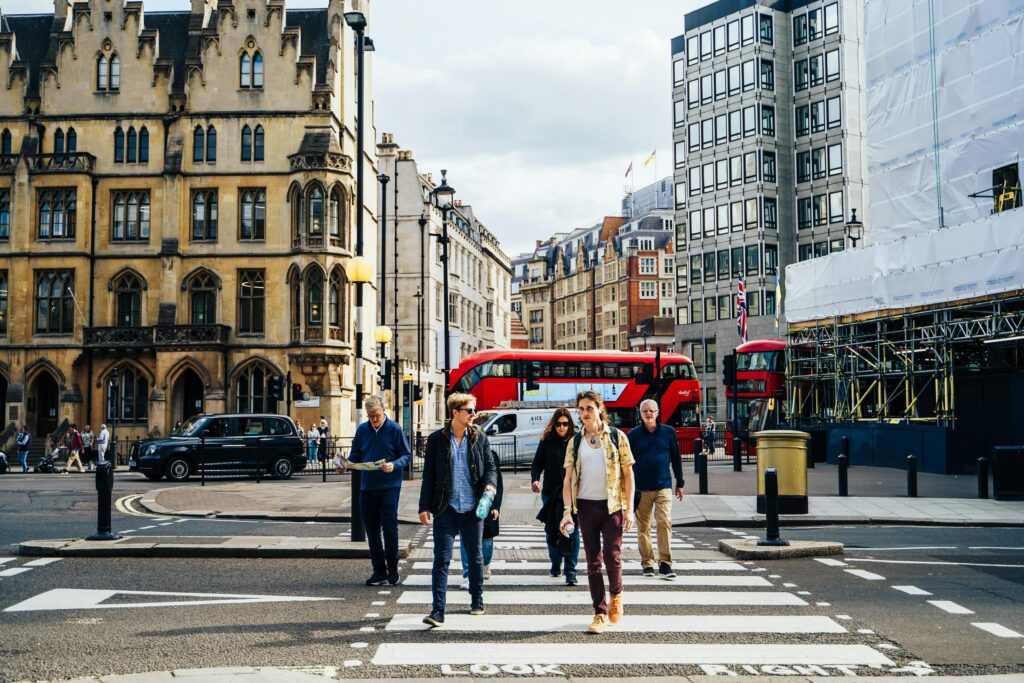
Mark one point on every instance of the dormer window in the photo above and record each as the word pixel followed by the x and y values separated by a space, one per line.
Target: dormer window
pixel 250 70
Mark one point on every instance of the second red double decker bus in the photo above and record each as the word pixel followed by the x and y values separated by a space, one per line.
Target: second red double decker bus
pixel 623 380
pixel 758 394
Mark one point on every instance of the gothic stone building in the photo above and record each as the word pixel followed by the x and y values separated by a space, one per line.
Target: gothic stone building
pixel 176 213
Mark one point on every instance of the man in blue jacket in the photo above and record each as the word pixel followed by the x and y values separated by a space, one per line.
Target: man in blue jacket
pixel 380 438
pixel 655 450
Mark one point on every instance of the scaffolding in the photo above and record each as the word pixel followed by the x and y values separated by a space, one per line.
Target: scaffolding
pixel 900 366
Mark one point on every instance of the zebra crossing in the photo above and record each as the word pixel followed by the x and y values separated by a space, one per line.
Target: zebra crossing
pixel 717 617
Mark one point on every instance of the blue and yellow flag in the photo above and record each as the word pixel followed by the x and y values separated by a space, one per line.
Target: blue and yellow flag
pixel 649 159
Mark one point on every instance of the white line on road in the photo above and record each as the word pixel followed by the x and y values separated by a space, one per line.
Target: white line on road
pixel 406 654
pixel 993 547
pixel 628 565
pixel 870 576
pixel 15 571
pixel 631 598
pixel 629 580
pixel 951 607
pixel 42 562
pixel 830 562
pixel 151 526
pixel 82 598
pixel 911 590
pixel 5 560
pixel 914 547
pixel 998 630
pixel 933 562
pixel 697 623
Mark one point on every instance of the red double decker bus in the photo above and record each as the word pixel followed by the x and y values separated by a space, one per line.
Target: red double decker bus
pixel 758 396
pixel 556 377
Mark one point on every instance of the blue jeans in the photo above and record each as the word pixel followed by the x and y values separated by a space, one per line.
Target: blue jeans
pixel 23 459
pixel 446 526
pixel 311 456
pixel 555 556
pixel 380 519
pixel 488 550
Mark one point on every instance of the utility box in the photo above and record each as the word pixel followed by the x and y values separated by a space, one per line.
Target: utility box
pixel 786 451
pixel 1008 472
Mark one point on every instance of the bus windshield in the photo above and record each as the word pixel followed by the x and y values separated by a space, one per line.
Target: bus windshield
pixel 764 361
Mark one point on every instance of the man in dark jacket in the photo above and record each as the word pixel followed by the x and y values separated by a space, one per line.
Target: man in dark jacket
pixel 381 439
pixel 655 450
pixel 457 470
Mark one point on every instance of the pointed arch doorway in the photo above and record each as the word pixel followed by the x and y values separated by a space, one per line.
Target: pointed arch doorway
pixel 45 399
pixel 189 397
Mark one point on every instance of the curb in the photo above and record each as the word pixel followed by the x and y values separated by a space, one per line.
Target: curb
pixel 743 549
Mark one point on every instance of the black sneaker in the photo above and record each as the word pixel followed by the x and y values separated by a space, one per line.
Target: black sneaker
pixel 665 569
pixel 434 619
pixel 477 608
pixel 570 580
pixel 376 580
pixel 649 571
pixel 556 568
pixel 394 577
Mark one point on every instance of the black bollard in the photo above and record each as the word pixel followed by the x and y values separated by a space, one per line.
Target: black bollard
pixel 844 446
pixel 911 476
pixel 983 477
pixel 702 472
pixel 698 447
pixel 771 509
pixel 104 487
pixel 844 475
pixel 737 466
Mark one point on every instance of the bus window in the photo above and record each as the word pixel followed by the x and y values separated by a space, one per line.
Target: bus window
pixel 609 370
pixel 572 370
pixel 623 418
pixel 587 370
pixel 558 369
pixel 498 368
pixel 627 371
pixel 685 415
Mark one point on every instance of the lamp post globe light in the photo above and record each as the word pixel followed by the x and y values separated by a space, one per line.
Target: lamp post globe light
pixel 854 228
pixel 357 22
pixel 443 200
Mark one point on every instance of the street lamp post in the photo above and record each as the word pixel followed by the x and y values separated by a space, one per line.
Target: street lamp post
pixel 421 320
pixel 443 194
pixel 854 228
pixel 382 290
pixel 357 22
pixel 394 346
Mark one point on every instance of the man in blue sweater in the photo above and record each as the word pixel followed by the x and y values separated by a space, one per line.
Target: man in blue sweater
pixel 655 449
pixel 381 439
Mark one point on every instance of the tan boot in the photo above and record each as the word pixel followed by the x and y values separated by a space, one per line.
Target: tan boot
pixel 615 609
pixel 600 621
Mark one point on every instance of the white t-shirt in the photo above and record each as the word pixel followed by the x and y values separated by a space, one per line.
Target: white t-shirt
pixel 593 474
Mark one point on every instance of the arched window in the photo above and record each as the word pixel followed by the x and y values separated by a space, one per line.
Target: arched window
pixel 257 70
pixel 334 300
pixel 128 295
pixel 257 152
pixel 245 71
pixel 127 396
pixel 5 143
pixel 115 73
pixel 58 144
pixel 204 215
pixel 211 144
pixel 143 146
pixel 298 213
pixel 198 144
pixel 132 145
pixel 252 288
pixel 254 215
pixel 131 216
pixel 3 302
pixel 246 143
pixel 5 214
pixel 251 394
pixel 102 73
pixel 294 281
pixel 202 296
pixel 71 144
pixel 315 208
pixel 57 213
pixel 54 303
pixel 314 298
pixel 118 145
pixel 334 214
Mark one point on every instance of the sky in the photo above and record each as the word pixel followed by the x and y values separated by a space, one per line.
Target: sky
pixel 535 107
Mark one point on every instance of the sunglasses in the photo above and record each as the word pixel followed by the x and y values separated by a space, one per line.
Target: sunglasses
pixel 471 411
pixel 561 424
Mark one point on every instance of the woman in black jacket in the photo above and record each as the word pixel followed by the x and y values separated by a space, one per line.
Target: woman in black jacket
pixel 549 459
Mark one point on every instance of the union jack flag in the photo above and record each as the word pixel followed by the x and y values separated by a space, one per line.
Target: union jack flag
pixel 741 310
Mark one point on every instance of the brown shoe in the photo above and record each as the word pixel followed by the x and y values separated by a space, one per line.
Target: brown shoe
pixel 600 621
pixel 615 609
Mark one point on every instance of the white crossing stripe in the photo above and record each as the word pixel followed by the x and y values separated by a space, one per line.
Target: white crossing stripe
pixel 582 597
pixel 994 629
pixel 627 565
pixel 549 623
pixel 5 560
pixel 951 607
pixel 410 654
pixel 830 562
pixel 496 579
pixel 501 543
pixel 42 562
pixel 864 574
pixel 911 590
pixel 15 571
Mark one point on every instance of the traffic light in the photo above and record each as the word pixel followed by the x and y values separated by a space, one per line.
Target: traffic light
pixel 385 374
pixel 532 374
pixel 296 392
pixel 406 393
pixel 729 370
pixel 275 387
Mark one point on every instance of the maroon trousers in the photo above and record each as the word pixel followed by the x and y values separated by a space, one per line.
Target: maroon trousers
pixel 602 534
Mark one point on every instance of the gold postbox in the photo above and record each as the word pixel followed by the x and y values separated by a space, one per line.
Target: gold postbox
pixel 786 451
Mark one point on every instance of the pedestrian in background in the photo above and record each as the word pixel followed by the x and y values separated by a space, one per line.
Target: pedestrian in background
pixel 325 435
pixel 708 435
pixel 87 450
pixel 74 449
pixel 457 471
pixel 313 439
pixel 381 438
pixel 655 451
pixel 24 442
pixel 598 487
pixel 548 464
pixel 491 531
pixel 102 444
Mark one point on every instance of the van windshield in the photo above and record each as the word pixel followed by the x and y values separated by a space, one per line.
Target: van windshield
pixel 482 418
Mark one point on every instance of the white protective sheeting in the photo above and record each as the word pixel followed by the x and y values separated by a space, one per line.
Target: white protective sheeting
pixel 945 107
pixel 980 258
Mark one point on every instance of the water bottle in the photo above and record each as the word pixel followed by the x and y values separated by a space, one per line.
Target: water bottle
pixel 483 508
pixel 569 529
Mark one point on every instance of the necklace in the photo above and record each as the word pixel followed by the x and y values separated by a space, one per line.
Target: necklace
pixel 592 439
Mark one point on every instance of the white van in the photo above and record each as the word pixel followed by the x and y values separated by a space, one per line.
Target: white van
pixel 514 433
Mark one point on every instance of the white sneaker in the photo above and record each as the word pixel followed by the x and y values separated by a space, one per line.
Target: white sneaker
pixel 464 585
pixel 487 571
